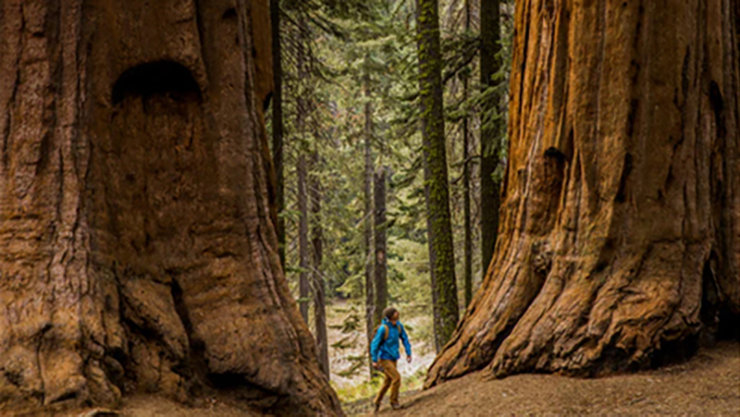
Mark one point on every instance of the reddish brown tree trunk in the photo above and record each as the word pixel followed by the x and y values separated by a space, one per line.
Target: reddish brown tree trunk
pixel 620 230
pixel 139 251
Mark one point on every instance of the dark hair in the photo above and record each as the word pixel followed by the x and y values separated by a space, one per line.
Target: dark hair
pixel 389 312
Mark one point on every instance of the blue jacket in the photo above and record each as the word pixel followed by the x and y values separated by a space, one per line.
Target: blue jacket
pixel 388 349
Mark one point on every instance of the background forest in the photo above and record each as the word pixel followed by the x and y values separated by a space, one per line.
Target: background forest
pixel 346 141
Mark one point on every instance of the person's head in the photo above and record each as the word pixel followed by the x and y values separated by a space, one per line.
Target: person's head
pixel 391 314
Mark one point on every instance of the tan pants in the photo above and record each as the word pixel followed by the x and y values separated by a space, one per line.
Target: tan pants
pixel 392 380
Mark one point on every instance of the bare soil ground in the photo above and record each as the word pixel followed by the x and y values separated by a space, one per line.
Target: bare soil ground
pixel 706 385
pixel 156 406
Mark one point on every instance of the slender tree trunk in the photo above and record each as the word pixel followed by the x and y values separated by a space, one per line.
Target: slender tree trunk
pixel 302 108
pixel 277 127
pixel 439 227
pixel 367 223
pixel 137 240
pixel 319 303
pixel 491 131
pixel 304 262
pixel 467 226
pixel 381 267
pixel 620 235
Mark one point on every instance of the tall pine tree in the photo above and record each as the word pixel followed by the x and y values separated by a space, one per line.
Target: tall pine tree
pixel 439 228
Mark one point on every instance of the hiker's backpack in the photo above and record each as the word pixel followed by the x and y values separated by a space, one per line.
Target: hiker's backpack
pixel 387 330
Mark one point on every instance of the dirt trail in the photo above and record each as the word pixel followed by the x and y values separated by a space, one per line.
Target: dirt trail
pixel 707 385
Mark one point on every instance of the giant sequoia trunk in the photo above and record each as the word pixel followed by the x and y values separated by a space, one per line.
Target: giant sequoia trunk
pixel 620 230
pixel 139 251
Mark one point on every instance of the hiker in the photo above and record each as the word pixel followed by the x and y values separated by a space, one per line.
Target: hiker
pixel 384 352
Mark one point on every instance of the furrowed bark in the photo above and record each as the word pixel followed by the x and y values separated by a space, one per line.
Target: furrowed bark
pixel 139 245
pixel 619 241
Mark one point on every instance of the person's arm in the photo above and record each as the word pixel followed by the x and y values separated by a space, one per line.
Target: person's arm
pixel 375 345
pixel 405 340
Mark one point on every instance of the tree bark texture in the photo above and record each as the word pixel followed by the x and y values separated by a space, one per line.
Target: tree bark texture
pixel 467 225
pixel 368 223
pixel 317 249
pixel 491 131
pixel 139 251
pixel 620 233
pixel 439 226
pixel 381 265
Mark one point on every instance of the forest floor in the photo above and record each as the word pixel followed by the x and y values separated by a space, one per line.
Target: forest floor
pixel 706 385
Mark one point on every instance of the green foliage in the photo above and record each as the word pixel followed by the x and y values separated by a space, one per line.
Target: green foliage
pixel 331 50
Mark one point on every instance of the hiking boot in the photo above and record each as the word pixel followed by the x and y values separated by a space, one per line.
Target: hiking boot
pixel 376 408
pixel 396 406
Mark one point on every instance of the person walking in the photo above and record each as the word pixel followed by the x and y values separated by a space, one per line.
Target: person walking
pixel 385 353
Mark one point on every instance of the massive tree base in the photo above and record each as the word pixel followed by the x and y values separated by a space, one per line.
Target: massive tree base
pixel 139 251
pixel 619 240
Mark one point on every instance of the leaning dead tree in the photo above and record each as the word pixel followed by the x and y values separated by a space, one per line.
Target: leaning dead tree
pixel 138 244
pixel 619 240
